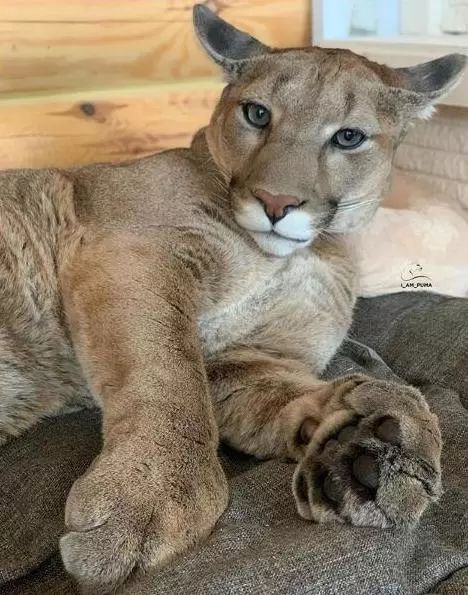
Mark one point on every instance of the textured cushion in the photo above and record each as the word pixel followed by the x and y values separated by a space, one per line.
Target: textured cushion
pixel 260 545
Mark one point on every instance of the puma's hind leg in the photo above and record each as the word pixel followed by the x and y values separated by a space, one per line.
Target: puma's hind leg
pixel 39 374
pixel 21 405
pixel 368 451
pixel 31 390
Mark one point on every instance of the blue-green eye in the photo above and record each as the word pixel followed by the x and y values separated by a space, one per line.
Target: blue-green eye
pixel 348 138
pixel 257 115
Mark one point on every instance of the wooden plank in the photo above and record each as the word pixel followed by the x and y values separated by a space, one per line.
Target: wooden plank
pixel 58 45
pixel 114 125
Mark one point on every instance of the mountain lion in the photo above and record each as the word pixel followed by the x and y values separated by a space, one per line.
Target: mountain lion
pixel 198 294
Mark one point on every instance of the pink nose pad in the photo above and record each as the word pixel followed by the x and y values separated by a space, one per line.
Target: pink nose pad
pixel 276 206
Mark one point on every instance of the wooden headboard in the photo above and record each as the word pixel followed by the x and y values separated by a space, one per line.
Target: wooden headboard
pixel 83 81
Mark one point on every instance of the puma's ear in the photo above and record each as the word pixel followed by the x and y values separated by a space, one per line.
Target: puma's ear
pixel 226 45
pixel 430 81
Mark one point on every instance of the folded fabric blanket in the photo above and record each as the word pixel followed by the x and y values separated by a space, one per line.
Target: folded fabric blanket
pixel 417 240
pixel 260 545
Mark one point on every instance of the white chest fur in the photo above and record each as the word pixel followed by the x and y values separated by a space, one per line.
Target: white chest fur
pixel 298 306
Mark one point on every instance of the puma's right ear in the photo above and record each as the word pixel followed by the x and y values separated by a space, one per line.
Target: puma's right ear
pixel 227 46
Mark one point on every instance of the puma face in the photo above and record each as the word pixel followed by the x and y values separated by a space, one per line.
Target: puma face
pixel 306 137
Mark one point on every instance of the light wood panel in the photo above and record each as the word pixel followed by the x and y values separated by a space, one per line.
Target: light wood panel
pixel 83 81
pixel 57 45
pixel 87 127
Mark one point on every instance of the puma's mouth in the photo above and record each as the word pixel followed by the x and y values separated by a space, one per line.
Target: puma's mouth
pixel 279 235
pixel 276 244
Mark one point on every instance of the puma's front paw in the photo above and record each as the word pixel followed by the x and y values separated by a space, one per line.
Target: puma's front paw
pixel 375 458
pixel 131 511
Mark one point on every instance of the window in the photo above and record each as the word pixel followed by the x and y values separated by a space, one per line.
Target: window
pixel 396 32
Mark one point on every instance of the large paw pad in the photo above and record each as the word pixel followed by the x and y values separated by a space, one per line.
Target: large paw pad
pixel 380 469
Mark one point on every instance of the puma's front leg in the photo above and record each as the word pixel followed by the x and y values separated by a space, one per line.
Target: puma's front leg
pixel 368 450
pixel 157 487
pixel 265 405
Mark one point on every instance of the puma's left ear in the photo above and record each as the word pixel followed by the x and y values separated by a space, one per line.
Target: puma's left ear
pixel 226 45
pixel 430 81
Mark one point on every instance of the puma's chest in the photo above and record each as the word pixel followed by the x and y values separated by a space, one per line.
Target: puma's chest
pixel 297 305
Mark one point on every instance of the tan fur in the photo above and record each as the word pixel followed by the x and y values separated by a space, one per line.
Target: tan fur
pixel 135 287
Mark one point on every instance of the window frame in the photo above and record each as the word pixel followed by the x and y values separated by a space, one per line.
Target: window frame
pixel 398 52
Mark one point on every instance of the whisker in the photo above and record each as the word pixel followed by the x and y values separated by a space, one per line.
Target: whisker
pixel 324 234
pixel 356 205
pixel 357 199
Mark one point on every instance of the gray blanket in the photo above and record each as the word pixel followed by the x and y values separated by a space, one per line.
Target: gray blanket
pixel 260 545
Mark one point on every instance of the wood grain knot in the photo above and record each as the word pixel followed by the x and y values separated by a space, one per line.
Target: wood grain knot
pixel 88 109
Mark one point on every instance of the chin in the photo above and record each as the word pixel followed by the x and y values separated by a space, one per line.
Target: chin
pixel 276 245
